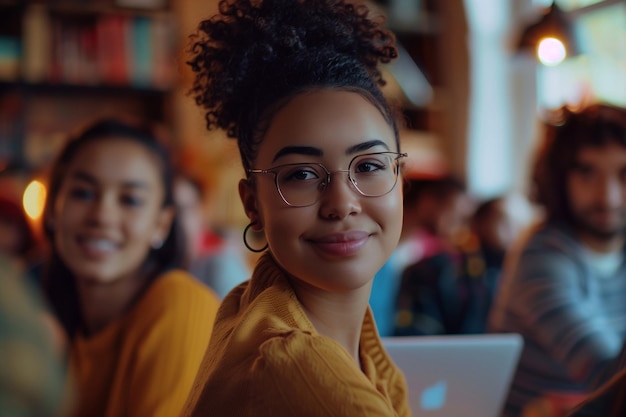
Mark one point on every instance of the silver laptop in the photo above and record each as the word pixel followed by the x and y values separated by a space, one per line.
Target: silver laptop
pixel 453 376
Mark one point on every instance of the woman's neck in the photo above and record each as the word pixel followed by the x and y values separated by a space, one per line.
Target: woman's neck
pixel 338 316
pixel 102 303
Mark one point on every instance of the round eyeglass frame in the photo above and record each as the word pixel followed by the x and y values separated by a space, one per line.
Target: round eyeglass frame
pixel 274 171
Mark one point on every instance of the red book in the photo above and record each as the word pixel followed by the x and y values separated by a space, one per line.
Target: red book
pixel 112 43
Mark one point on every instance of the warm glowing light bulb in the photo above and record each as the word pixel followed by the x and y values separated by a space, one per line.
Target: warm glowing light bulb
pixel 551 51
pixel 34 199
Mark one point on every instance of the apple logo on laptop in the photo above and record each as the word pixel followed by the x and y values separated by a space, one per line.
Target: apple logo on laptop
pixel 434 397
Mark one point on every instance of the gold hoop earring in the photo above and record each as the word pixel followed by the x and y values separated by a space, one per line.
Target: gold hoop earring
pixel 245 240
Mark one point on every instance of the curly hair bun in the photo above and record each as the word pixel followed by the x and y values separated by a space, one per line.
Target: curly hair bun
pixel 255 53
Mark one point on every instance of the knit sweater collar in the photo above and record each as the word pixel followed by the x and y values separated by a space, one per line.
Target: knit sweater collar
pixel 269 276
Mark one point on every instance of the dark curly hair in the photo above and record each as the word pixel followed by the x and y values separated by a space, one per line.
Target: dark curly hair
pixel 253 56
pixel 565 135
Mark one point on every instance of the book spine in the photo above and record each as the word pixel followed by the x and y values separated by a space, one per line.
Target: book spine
pixel 164 33
pixel 140 52
pixel 36 44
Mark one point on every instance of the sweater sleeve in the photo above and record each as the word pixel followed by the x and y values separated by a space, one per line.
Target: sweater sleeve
pixel 178 320
pixel 304 375
pixel 566 316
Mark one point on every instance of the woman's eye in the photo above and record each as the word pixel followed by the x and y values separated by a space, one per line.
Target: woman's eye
pixel 370 166
pixel 301 174
pixel 133 201
pixel 81 193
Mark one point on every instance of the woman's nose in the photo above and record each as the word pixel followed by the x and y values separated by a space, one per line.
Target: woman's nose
pixel 103 211
pixel 340 198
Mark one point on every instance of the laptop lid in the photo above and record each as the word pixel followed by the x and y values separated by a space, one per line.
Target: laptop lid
pixel 456 375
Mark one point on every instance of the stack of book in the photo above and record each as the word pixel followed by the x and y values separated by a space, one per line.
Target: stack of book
pixel 117 49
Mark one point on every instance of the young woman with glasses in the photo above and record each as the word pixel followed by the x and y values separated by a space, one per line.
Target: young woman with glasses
pixel 296 83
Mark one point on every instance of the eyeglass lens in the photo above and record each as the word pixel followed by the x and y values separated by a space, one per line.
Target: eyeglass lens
pixel 371 175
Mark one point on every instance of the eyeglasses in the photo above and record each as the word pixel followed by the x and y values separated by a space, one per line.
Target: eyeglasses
pixel 302 184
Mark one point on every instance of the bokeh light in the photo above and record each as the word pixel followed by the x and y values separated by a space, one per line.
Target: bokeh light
pixel 34 199
pixel 551 51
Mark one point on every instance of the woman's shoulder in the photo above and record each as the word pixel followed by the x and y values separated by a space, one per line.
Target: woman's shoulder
pixel 299 355
pixel 308 355
pixel 244 328
pixel 178 286
pixel 316 373
pixel 290 373
pixel 175 294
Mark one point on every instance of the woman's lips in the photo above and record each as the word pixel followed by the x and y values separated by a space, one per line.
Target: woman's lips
pixel 341 244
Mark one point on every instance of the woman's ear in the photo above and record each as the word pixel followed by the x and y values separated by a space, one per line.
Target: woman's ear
pixel 164 224
pixel 247 193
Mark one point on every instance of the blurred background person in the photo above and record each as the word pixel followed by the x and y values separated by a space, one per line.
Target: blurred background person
pixel 451 291
pixel 435 209
pixel 438 213
pixel 563 288
pixel 33 378
pixel 211 257
pixel 137 326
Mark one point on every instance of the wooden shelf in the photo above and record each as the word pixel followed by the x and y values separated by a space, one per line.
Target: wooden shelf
pixel 90 6
pixel 64 88
pixel 68 62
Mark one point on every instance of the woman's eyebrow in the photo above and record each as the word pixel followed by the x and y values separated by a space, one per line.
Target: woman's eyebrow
pixel 313 151
pixel 88 178
pixel 83 176
pixel 298 150
pixel 366 146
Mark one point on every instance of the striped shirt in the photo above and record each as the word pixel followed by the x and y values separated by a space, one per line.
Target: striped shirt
pixel 573 321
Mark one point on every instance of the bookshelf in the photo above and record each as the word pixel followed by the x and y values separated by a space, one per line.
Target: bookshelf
pixel 66 62
pixel 434 33
pixel 417 27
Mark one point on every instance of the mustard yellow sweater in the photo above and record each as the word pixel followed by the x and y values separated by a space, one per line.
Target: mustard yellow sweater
pixel 144 363
pixel 266 359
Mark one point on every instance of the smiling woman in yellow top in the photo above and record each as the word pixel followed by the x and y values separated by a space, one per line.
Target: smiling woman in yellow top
pixel 137 327
pixel 295 81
